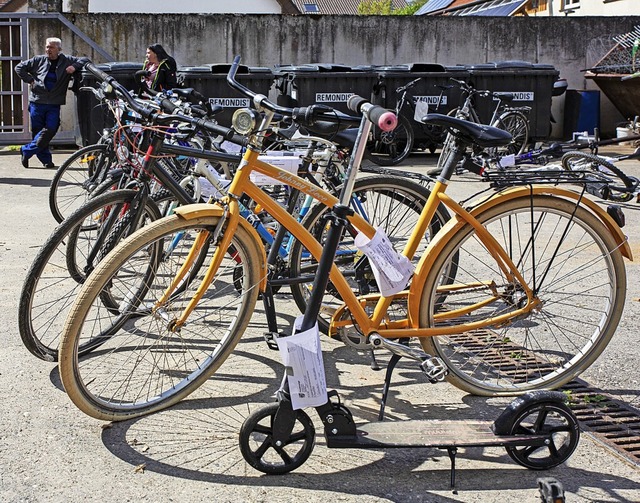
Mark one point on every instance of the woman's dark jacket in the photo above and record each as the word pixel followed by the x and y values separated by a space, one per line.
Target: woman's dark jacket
pixel 165 76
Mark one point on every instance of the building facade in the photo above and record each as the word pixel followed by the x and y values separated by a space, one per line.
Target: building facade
pixel 511 8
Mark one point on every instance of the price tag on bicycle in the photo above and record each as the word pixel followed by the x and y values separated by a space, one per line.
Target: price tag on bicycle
pixel 391 270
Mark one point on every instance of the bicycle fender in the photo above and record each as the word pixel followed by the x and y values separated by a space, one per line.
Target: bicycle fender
pixel 191 211
pixel 456 222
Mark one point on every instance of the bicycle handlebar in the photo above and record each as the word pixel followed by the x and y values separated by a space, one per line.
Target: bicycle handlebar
pixel 381 117
pixel 153 115
pixel 408 86
pixel 307 116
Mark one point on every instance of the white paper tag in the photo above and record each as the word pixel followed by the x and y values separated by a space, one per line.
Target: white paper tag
pixel 422 109
pixel 391 269
pixel 508 161
pixel 302 358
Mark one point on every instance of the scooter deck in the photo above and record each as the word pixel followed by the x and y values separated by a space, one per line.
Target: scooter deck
pixel 431 433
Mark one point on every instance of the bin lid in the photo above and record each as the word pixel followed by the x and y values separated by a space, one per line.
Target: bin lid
pixel 125 65
pixel 515 63
pixel 426 67
pixel 225 67
pixel 314 67
pixel 411 67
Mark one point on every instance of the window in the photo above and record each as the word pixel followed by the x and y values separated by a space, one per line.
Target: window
pixel 567 4
pixel 311 7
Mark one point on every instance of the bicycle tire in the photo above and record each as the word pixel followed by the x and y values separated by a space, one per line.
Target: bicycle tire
pixel 75 179
pixel 517 124
pixel 582 296
pixel 53 281
pixel 392 203
pixel 144 365
pixel 577 160
pixel 392 147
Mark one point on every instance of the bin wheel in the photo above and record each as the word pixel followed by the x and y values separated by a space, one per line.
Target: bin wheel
pixel 548 418
pixel 259 449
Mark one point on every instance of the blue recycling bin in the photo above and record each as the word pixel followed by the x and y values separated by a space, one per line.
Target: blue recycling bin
pixel 581 112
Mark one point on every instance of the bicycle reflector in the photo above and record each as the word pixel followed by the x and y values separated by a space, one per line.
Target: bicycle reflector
pixel 244 120
pixel 616 213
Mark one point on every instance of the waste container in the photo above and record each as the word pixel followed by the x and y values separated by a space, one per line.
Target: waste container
pixel 211 81
pixel 93 116
pixel 329 84
pixel 434 90
pixel 531 83
pixel 581 112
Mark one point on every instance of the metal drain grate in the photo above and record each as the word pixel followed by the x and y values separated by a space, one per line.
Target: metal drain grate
pixel 611 421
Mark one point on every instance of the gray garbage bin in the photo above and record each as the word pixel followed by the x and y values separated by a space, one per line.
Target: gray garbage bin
pixel 211 81
pixel 531 83
pixel 434 88
pixel 324 83
pixel 94 117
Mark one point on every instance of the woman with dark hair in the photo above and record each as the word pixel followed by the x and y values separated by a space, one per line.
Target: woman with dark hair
pixel 160 70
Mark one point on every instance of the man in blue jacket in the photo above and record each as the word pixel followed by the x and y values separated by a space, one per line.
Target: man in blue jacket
pixel 48 76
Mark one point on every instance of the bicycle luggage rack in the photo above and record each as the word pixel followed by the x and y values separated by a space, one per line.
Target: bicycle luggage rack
pixel 508 178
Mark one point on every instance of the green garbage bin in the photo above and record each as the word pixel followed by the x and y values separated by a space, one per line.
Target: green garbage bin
pixel 531 83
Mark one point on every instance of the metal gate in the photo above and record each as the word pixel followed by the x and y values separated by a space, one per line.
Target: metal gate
pixel 14 115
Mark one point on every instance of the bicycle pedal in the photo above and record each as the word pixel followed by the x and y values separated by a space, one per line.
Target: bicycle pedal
pixel 434 368
pixel 270 339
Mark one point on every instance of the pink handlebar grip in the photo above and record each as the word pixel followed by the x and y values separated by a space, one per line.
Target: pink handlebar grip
pixel 388 121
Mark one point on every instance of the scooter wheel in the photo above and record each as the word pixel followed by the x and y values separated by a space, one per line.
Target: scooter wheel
pixel 547 418
pixel 259 449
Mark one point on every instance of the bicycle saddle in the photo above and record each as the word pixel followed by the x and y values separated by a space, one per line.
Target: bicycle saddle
pixel 331 131
pixel 504 96
pixel 479 134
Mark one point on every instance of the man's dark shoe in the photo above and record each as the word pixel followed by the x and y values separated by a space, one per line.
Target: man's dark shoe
pixel 50 165
pixel 23 159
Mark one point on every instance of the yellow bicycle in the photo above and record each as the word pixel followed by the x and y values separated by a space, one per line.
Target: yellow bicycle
pixel 520 290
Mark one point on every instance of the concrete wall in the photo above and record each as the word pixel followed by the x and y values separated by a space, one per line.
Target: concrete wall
pixel 571 43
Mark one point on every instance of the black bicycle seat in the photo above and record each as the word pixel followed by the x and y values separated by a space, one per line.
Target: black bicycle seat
pixel 342 134
pixel 478 134
pixel 504 96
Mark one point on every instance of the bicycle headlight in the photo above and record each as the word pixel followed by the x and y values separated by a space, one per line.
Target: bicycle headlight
pixel 244 120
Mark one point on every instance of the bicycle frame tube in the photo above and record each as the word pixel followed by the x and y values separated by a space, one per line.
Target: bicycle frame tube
pixel 242 184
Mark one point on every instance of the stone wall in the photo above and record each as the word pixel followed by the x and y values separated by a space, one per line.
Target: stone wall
pixel 571 44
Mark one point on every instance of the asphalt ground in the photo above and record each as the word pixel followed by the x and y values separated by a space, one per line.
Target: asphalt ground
pixel 50 451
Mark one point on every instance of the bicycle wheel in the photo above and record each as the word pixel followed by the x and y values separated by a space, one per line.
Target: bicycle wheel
pixel 76 178
pixel 389 202
pixel 604 179
pixel 391 147
pixel 146 364
pixel 575 269
pixel 61 266
pixel 517 124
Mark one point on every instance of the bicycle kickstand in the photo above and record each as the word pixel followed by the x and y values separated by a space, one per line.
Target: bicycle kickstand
pixel 433 367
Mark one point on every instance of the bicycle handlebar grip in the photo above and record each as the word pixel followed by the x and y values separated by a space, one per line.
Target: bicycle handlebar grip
pixel 225 132
pixel 384 119
pixel 168 106
pixel 381 117
pixel 99 74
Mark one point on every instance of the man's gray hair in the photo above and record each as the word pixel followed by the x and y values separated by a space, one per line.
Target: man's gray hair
pixel 55 40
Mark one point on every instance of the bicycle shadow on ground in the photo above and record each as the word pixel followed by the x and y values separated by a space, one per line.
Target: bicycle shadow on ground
pixel 32 182
pixel 198 440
